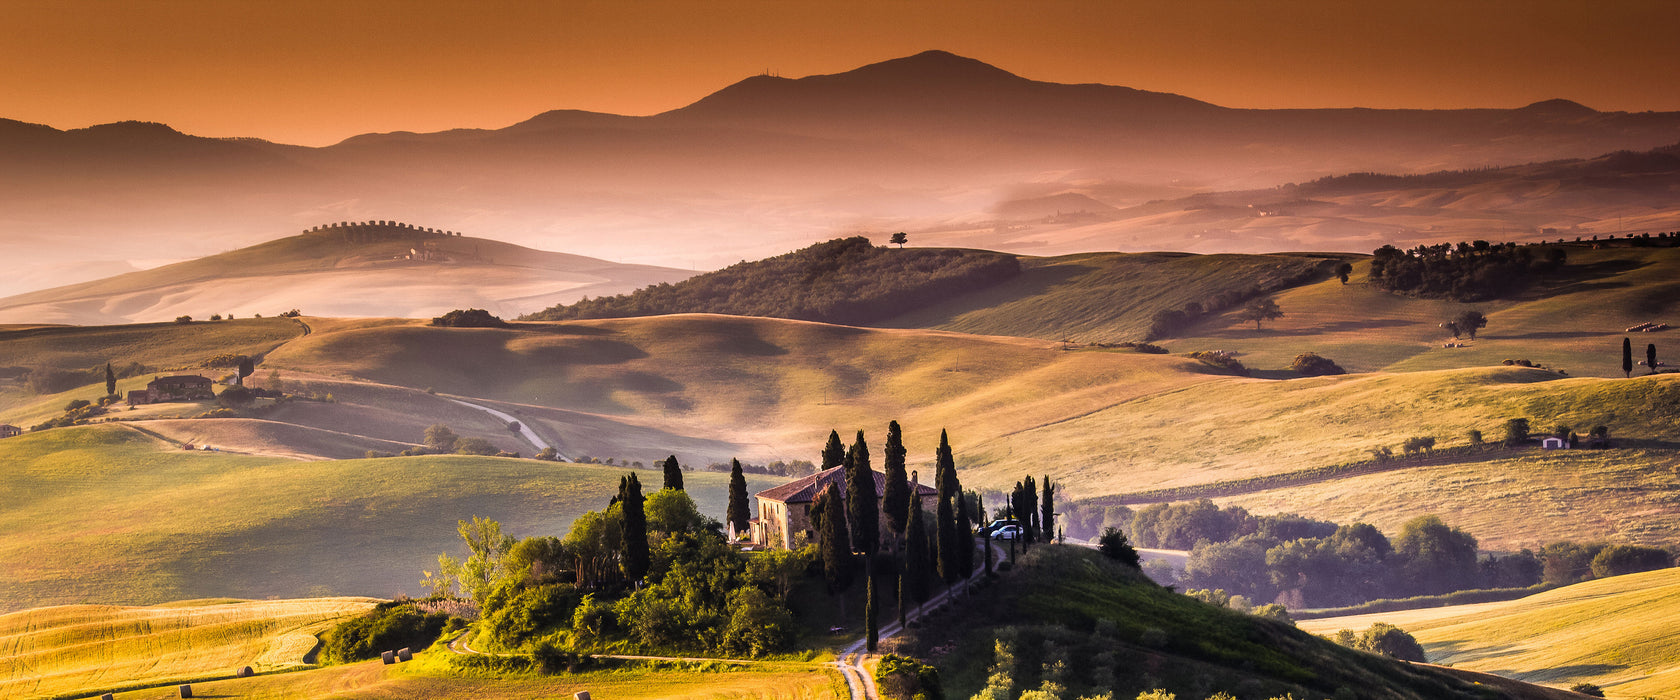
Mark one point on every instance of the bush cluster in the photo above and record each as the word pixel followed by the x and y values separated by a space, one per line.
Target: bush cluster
pixel 388 627
pixel 1467 272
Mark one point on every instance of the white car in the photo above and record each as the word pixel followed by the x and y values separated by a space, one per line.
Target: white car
pixel 1007 532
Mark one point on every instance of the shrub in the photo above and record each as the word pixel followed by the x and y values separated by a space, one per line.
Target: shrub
pixel 474 446
pixel 235 396
pixel 469 318
pixel 901 678
pixel 1388 640
pixel 1221 359
pixel 1587 689
pixel 532 610
pixel 183 319
pixel 388 626
pixel 1619 559
pixel 1309 364
pixel 78 403
pixel 1112 543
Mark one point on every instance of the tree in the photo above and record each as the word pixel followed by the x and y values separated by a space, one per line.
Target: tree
pixel 1264 309
pixel 965 539
pixel 1311 364
pixel 634 561
pixel 945 514
pixel 871 607
pixel 895 495
pixel 862 508
pixel 111 378
pixel 900 239
pixel 1393 642
pixel 1650 360
pixel 469 445
pixel 1618 559
pixel 671 511
pixel 737 514
pixel 488 547
pixel 834 453
pixel 1516 432
pixel 1113 545
pixel 833 541
pixel 1469 322
pixel 246 367
pixel 1047 506
pixel 915 568
pixel 1435 558
pixel 673 473
pixel 440 439
pixel 1627 357
pixel 1343 270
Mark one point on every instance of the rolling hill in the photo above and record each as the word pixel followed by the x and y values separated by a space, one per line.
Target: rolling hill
pixel 932 143
pixel 1617 633
pixel 82 650
pixel 399 272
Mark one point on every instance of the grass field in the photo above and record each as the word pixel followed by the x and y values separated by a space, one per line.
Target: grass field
pixel 1619 633
pixel 87 649
pixel 105 514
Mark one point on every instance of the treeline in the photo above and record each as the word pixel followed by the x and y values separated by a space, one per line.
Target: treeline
pixel 846 281
pixel 1465 272
pixel 1315 563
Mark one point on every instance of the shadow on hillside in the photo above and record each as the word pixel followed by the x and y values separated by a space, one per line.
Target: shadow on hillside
pixel 1464 651
pixel 1544 335
pixel 1031 283
pixel 1337 327
pixel 1585 278
pixel 560 328
pixel 1561 673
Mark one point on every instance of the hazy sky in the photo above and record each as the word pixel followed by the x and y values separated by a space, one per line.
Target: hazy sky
pixel 316 72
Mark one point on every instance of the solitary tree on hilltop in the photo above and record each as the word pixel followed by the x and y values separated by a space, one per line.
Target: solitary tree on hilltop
pixel 1343 270
pixel 1260 310
pixel 1627 357
pixel 900 238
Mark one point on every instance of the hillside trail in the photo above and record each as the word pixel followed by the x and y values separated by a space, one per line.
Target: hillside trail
pixel 525 431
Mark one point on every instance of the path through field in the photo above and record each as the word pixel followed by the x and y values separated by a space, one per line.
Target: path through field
pixel 524 430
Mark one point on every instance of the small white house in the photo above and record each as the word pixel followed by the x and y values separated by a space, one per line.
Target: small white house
pixel 1554 443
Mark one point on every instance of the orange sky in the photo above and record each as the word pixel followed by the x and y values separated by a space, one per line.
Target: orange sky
pixel 316 72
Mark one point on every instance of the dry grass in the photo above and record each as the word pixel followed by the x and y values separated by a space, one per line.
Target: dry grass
pixel 1618 633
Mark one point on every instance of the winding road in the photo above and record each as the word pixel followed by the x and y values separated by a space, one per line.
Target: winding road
pixel 525 431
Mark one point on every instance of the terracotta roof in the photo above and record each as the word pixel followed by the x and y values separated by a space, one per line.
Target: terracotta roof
pixel 805 490
pixel 182 379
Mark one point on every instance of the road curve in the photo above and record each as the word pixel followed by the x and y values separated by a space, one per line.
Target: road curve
pixel 525 431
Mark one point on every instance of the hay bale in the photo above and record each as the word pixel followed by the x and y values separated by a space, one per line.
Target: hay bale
pixel 404 654
pixel 244 672
pixel 107 696
pixel 581 695
pixel 389 657
pixel 186 691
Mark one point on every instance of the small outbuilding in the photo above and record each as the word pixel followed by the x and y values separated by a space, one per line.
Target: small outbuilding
pixel 1554 443
pixel 7 431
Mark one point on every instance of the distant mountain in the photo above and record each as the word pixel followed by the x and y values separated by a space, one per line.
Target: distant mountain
pixel 930 143
pixel 379 270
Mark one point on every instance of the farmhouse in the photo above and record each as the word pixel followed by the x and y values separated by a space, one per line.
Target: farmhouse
pixel 7 431
pixel 181 387
pixel 785 511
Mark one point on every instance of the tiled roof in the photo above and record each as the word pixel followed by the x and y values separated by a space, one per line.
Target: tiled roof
pixel 805 490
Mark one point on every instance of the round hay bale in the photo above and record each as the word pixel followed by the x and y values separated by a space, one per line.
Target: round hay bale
pixel 389 657
pixel 244 672
pixel 404 654
pixel 581 695
pixel 186 691
pixel 107 696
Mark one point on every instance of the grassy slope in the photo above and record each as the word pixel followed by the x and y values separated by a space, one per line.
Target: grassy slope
pixel 105 514
pixel 84 649
pixel 1618 633
pixel 1158 638
pixel 1103 297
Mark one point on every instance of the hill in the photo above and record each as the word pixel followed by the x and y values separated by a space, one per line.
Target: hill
pixel 82 650
pixel 929 143
pixel 106 514
pixel 1617 633
pixel 1068 616
pixel 385 270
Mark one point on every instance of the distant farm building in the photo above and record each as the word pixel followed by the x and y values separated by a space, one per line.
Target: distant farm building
pixel 785 511
pixel 181 387
pixel 7 431
pixel 1554 443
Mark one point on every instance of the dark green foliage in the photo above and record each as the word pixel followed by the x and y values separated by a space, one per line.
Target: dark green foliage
pixel 389 626
pixel 1619 559
pixel 1112 543
pixel 895 495
pixel 469 318
pixel 945 514
pixel 1469 323
pixel 531 610
pixel 699 598
pixel 439 439
pixel 673 473
pixel 833 539
pixel 1587 689
pixel 246 367
pixel 871 607
pixel 1260 310
pixel 1311 364
pixel 862 507
pixel 77 403
pixel 915 564
pixel 235 397
pixel 1393 642
pixel 1467 272
pixel 1650 359
pixel 1568 562
pixel 473 446
pixel 1627 357
pixel 111 377
pixel 1047 510
pixel 903 678
pixel 1343 270
pixel 758 624
pixel 634 560
pixel 833 453
pixel 846 281
pixel 1182 525
pixel 1516 432
pixel 737 514
pixel 1434 558
pixel 964 538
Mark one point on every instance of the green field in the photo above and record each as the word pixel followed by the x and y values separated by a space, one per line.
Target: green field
pixel 105 514
pixel 88 649
pixel 1618 633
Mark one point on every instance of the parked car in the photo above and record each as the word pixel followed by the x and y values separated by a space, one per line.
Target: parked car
pixel 994 525
pixel 1006 532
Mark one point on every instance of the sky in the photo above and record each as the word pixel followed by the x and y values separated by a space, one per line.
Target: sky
pixel 314 73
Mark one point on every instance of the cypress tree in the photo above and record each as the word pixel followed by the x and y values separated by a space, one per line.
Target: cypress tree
pixel 737 514
pixel 862 510
pixel 1627 357
pixel 111 377
pixel 834 453
pixel 635 560
pixel 1029 510
pixel 895 495
pixel 1048 509
pixel 903 590
pixel 916 552
pixel 965 538
pixel 1650 359
pixel 945 521
pixel 945 475
pixel 833 542
pixel 871 626
pixel 673 473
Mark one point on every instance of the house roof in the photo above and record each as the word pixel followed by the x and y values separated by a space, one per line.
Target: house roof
pixel 182 379
pixel 805 490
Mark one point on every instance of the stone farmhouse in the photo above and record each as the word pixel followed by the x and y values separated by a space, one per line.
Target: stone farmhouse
pixel 785 511
pixel 7 431
pixel 181 387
